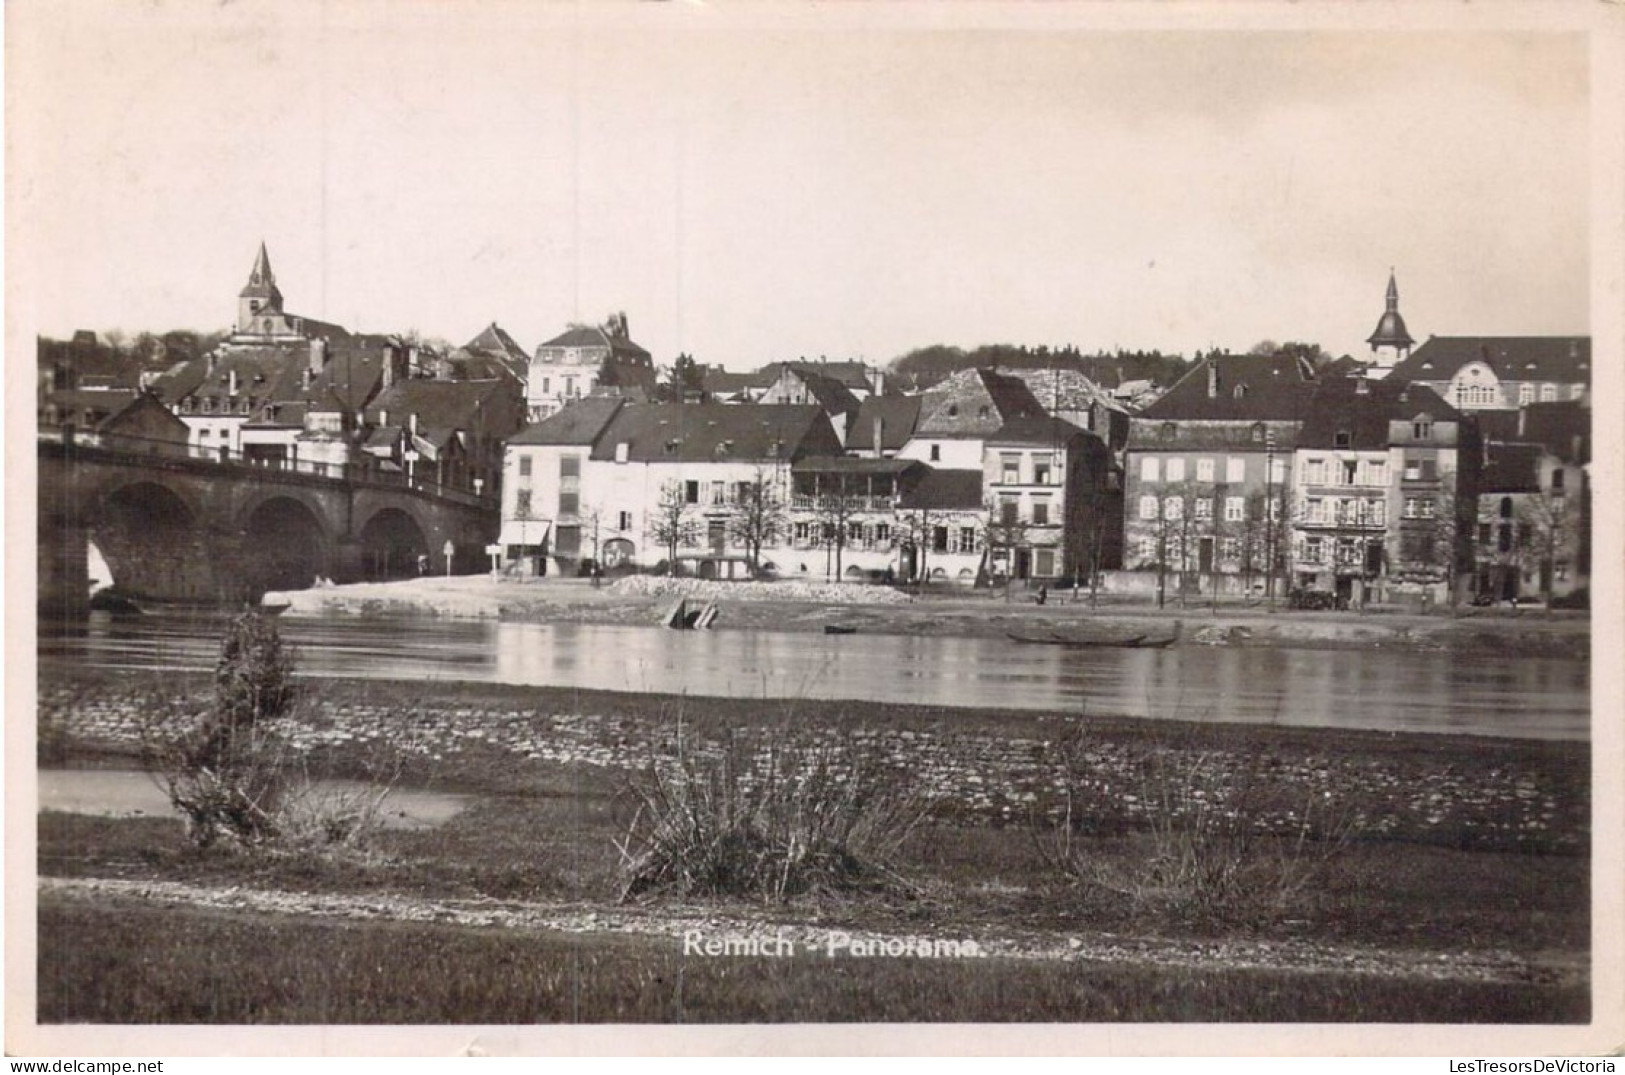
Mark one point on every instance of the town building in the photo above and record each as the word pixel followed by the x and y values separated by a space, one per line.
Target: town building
pixel 586 359
pixel 1383 485
pixel 449 433
pixel 1500 373
pixel 261 318
pixel 1207 473
pixel 800 386
pixel 645 484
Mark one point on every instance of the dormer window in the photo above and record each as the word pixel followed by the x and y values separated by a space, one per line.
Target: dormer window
pixel 1258 432
pixel 672 446
pixel 981 412
pixel 1422 427
pixel 1169 430
pixel 1239 392
pixel 206 405
pixel 953 410
pixel 1341 439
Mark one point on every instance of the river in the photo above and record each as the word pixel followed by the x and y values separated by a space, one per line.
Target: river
pixel 1530 697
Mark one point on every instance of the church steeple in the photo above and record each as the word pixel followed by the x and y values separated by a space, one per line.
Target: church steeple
pixel 1391 332
pixel 260 295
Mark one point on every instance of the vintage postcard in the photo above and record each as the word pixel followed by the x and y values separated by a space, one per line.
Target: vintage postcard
pixel 945 528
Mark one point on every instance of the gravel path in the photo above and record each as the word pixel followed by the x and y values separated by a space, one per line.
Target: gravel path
pixel 1294 956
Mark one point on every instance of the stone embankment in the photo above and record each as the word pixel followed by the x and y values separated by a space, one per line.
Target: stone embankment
pixel 1480 797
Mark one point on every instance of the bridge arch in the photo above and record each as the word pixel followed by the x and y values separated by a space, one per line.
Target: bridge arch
pixel 151 537
pixel 284 544
pixel 391 543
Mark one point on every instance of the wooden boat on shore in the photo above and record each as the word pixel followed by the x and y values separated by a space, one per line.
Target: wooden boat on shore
pixel 1137 642
pixel 839 629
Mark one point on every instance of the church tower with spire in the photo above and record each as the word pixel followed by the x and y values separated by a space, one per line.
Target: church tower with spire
pixel 259 298
pixel 1391 342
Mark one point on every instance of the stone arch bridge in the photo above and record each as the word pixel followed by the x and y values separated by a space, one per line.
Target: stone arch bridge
pixel 175 524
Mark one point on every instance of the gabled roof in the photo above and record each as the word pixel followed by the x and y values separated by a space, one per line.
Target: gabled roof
pixel 1062 390
pixel 849 464
pixel 944 490
pixel 830 394
pixel 695 432
pixel 261 281
pixel 897 415
pixel 975 403
pixel 850 373
pixel 1342 405
pixel 1248 387
pixel 1558 359
pixel 264 372
pixel 494 339
pixel 580 423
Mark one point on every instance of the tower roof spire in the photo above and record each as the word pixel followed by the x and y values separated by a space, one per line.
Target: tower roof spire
pixel 262 281
pixel 1391 331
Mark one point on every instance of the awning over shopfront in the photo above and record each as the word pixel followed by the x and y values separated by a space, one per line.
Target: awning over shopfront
pixel 525 532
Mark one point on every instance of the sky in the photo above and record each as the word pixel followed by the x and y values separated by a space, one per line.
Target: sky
pixel 755 183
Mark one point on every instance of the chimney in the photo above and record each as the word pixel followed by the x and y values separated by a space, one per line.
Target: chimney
pixel 231 383
pixel 1362 387
pixel 880 439
pixel 1212 379
pixel 389 359
pixel 318 354
pixel 412 423
pixel 383 417
pixel 1523 416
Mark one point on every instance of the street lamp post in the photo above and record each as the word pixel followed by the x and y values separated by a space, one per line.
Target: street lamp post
pixel 1270 536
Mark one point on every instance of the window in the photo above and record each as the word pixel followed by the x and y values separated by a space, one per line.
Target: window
pixel 691 492
pixel 1313 550
pixel 1009 510
pixel 1231 548
pixel 1044 563
pixel 1148 507
pixel 524 466
pixel 1376 512
pixel 569 466
pixel 1526 393
pixel 967 539
pixel 1314 510
pixel 1176 470
pixel 1204 470
pixel 1413 469
pixel 1430 470
pixel 1204 509
pixel 1041 513
pixel 1235 509
pixel 854 533
pixel 521 504
pixel 567 541
pixel 623 521
pixel 1548 393
pixel 547 387
pixel 569 503
pixel 1148 549
pixel 1149 468
pixel 1173 508
pixel 1041 470
pixel 719 493
pixel 1351 468
pixel 1557 480
pixel 1422 428
pixel 1560 571
pixel 1376 472
pixel 802 533
pixel 1235 469
pixel 883 533
pixel 1010 469
pixel 1315 471
pixel 939 539
pixel 1277 470
pixel 1484 533
pixel 936 453
pixel 1342 439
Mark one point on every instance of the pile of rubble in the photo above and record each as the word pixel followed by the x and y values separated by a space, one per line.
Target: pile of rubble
pixel 843 593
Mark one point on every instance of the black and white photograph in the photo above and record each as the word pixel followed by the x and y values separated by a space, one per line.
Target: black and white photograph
pixel 789 527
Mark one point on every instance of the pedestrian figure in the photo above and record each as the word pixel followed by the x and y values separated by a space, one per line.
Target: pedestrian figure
pixel 1043 594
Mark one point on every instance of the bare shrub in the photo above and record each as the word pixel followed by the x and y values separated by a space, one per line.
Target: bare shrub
pixel 235 777
pixel 1211 833
pixel 768 819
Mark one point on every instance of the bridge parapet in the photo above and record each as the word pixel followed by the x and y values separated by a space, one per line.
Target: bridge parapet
pixel 224 463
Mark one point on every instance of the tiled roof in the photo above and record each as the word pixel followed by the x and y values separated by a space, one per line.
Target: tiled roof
pixel 580 423
pixel 592 336
pixel 495 339
pixel 1037 429
pixel 1248 387
pixel 1057 389
pixel 1339 405
pixel 1558 359
pixel 897 415
pixel 833 396
pixel 264 371
pixel 691 432
pixel 848 464
pixel 442 407
pixel 1006 399
pixel 849 373
pixel 944 490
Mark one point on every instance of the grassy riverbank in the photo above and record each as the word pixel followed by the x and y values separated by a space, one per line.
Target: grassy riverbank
pixel 1450 875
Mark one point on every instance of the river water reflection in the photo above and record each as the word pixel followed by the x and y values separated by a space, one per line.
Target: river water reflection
pixel 1541 698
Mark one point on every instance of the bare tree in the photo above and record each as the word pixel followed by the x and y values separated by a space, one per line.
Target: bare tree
pixel 1548 524
pixel 835 512
pixel 1003 531
pixel 759 517
pixel 672 524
